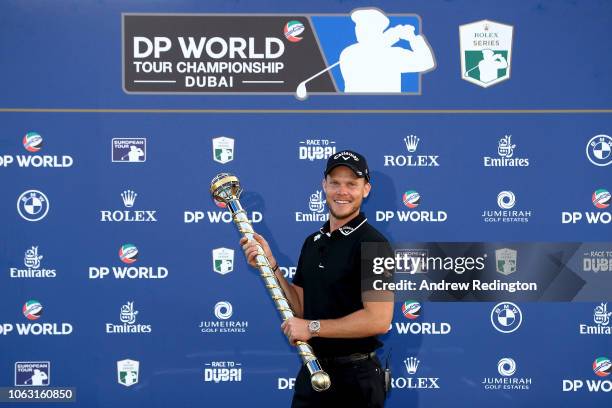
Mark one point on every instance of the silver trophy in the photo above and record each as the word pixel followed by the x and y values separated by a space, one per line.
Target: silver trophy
pixel 225 188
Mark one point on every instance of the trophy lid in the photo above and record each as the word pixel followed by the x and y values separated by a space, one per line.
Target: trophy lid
pixel 225 187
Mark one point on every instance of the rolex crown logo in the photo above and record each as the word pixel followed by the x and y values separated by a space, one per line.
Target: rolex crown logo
pixel 412 363
pixel 129 197
pixel 411 143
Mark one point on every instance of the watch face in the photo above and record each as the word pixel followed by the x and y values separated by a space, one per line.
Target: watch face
pixel 314 326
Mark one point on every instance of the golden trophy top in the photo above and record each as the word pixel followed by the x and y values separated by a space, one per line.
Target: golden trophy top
pixel 225 187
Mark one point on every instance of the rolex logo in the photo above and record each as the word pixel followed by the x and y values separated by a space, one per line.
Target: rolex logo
pixel 129 197
pixel 411 143
pixel 411 363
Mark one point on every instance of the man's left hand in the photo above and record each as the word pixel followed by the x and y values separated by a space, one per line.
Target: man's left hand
pixel 296 329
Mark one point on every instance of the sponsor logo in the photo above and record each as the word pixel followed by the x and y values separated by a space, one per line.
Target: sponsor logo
pixel 292 30
pixel 129 198
pixel 216 217
pixel 32 310
pixel 316 149
pixel 129 149
pixel 223 311
pixel 32 205
pixel 316 205
pixel 411 310
pixel 505 261
pixel 412 199
pixel 31 261
pixel 128 254
pixel 223 260
pixel 288 271
pixel 506 317
pixel 412 365
pixel 602 367
pixel 599 150
pixel 486 52
pixel 223 371
pixel 601 318
pixel 127 372
pixel 601 200
pixel 223 149
pixel 33 142
pixel 280 54
pixel 285 383
pixel 411 143
pixel 32 373
pixel 128 324
pixel 505 151
pixel 506 200
pixel 597 261
pixel 506 367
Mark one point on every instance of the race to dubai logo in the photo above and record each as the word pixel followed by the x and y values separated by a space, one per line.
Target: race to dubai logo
pixel 486 52
pixel 364 52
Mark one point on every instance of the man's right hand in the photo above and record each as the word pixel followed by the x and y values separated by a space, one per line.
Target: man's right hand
pixel 251 250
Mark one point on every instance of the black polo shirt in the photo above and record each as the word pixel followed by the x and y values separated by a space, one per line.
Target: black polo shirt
pixel 329 271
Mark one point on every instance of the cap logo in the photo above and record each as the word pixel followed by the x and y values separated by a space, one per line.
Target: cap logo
pixel 346 156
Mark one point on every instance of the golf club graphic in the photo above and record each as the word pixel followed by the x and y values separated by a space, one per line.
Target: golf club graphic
pixel 301 92
pixel 226 188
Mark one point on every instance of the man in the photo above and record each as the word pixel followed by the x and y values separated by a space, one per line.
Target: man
pixel 374 63
pixel 328 298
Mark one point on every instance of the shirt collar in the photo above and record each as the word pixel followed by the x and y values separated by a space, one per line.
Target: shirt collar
pixel 347 228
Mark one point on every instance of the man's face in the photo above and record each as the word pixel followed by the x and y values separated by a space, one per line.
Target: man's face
pixel 344 192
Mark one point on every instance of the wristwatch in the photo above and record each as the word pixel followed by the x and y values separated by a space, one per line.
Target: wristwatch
pixel 314 327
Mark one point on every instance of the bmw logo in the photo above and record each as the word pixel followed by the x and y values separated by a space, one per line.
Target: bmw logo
pixel 32 205
pixel 506 317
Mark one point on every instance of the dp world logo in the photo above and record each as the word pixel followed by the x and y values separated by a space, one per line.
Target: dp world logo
pixel 32 309
pixel 411 309
pixel 602 367
pixel 506 317
pixel 32 205
pixel 128 253
pixel 32 142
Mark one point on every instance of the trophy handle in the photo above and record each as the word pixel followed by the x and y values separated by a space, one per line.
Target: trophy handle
pixel 319 379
